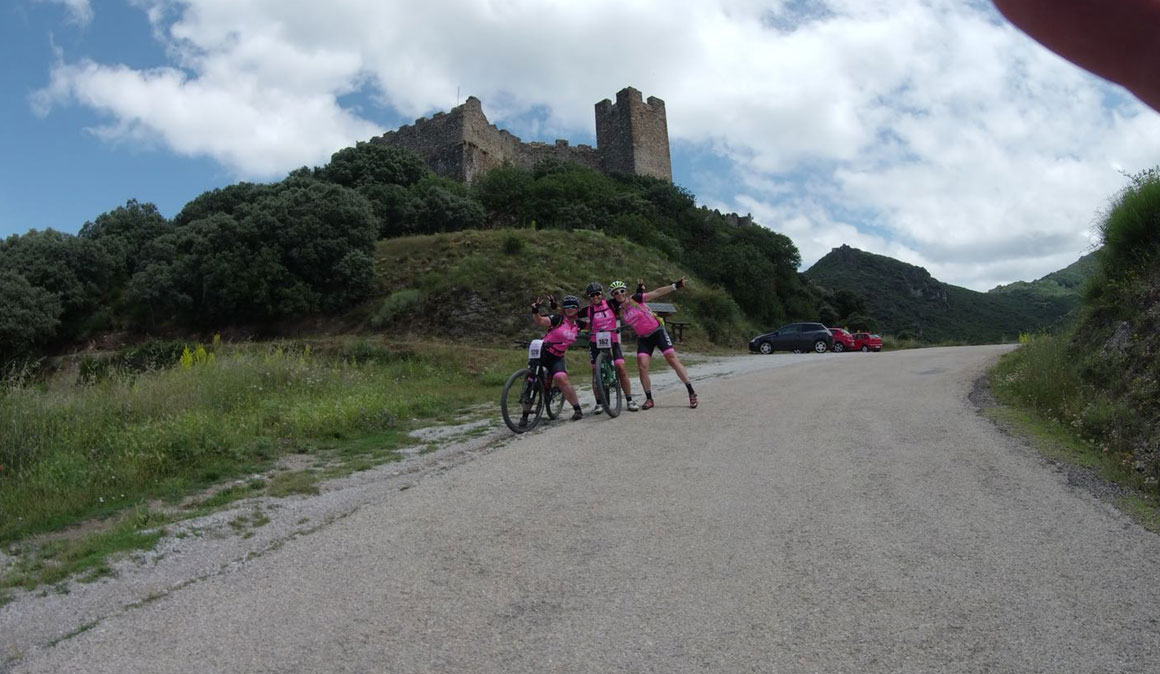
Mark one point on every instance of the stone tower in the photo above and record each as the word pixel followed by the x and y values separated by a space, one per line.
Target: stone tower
pixel 632 135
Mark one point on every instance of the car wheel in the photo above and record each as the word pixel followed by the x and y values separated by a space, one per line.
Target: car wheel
pixel 820 346
pixel 865 348
pixel 839 347
pixel 765 348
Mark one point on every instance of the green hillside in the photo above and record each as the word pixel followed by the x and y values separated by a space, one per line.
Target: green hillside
pixel 904 298
pixel 1068 281
pixel 477 285
pixel 1099 379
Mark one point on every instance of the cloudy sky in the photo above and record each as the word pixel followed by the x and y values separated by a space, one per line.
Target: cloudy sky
pixel 928 130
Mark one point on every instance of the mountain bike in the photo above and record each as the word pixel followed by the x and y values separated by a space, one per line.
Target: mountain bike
pixel 605 383
pixel 527 394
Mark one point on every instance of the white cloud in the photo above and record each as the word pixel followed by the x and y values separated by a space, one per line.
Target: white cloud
pixel 928 130
pixel 80 12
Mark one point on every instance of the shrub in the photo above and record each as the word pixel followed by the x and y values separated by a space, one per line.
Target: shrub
pixel 396 305
pixel 718 315
pixel 513 245
pixel 1131 230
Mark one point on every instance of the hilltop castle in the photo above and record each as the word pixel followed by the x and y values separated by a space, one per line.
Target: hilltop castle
pixel 632 136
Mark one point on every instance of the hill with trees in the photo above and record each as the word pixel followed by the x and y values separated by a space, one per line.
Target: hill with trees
pixel 905 300
pixel 258 257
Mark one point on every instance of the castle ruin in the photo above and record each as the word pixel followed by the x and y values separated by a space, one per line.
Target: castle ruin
pixel 632 136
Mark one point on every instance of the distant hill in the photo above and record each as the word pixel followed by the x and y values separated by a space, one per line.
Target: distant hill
pixel 905 298
pixel 1067 281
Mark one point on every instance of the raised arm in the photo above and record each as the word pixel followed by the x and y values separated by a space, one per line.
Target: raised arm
pixel 664 290
pixel 538 318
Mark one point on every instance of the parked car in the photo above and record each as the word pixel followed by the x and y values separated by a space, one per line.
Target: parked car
pixel 865 341
pixel 843 341
pixel 794 337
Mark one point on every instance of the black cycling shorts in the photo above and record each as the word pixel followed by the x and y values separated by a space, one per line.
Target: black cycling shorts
pixel 617 354
pixel 552 363
pixel 657 339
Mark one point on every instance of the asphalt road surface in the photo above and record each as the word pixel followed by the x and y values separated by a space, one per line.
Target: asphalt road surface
pixel 817 513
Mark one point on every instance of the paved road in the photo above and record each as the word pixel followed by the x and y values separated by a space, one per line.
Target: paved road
pixel 843 513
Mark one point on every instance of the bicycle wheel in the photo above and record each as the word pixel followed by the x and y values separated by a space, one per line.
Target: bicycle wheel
pixel 598 383
pixel 611 386
pixel 522 400
pixel 554 403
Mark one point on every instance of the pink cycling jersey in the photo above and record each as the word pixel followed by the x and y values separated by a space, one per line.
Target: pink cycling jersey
pixel 638 316
pixel 603 319
pixel 562 334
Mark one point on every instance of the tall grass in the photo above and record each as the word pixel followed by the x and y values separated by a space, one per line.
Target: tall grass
pixel 1040 376
pixel 69 451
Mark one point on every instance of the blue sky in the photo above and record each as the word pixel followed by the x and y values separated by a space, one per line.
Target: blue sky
pixel 928 130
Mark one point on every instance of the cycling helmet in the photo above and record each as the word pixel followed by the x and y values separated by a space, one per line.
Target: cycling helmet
pixel 617 285
pixel 593 288
pixel 570 302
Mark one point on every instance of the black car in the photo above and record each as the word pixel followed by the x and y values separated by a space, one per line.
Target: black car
pixel 794 337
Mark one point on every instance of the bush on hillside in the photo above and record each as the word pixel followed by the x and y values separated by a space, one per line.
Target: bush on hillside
pixel 29 316
pixel 123 232
pixel 373 164
pixel 1131 230
pixel 76 271
pixel 304 246
pixel 396 305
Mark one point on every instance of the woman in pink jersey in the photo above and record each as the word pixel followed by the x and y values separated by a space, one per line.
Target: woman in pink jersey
pixel 562 331
pixel 601 317
pixel 650 333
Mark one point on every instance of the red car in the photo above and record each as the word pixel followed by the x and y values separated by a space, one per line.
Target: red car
pixel 843 341
pixel 864 341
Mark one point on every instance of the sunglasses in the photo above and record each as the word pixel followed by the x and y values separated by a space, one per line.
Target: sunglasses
pixel 595 294
pixel 620 291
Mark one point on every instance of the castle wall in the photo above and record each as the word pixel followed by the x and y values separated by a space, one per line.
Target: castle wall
pixel 462 144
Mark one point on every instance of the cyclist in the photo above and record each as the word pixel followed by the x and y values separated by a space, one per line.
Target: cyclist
pixel 562 331
pixel 602 317
pixel 650 333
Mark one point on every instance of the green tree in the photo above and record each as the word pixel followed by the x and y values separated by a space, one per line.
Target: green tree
pixel 394 206
pixel 228 200
pixel 444 205
pixel 373 164
pixel 29 315
pixel 861 323
pixel 848 303
pixel 505 193
pixel 75 270
pixel 301 247
pixel 123 232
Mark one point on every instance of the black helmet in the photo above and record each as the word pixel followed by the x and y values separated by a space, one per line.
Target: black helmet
pixel 593 288
pixel 570 302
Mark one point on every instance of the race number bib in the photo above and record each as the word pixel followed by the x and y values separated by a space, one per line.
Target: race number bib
pixel 534 349
pixel 604 340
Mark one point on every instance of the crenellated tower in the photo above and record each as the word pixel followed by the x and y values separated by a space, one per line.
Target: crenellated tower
pixel 632 135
